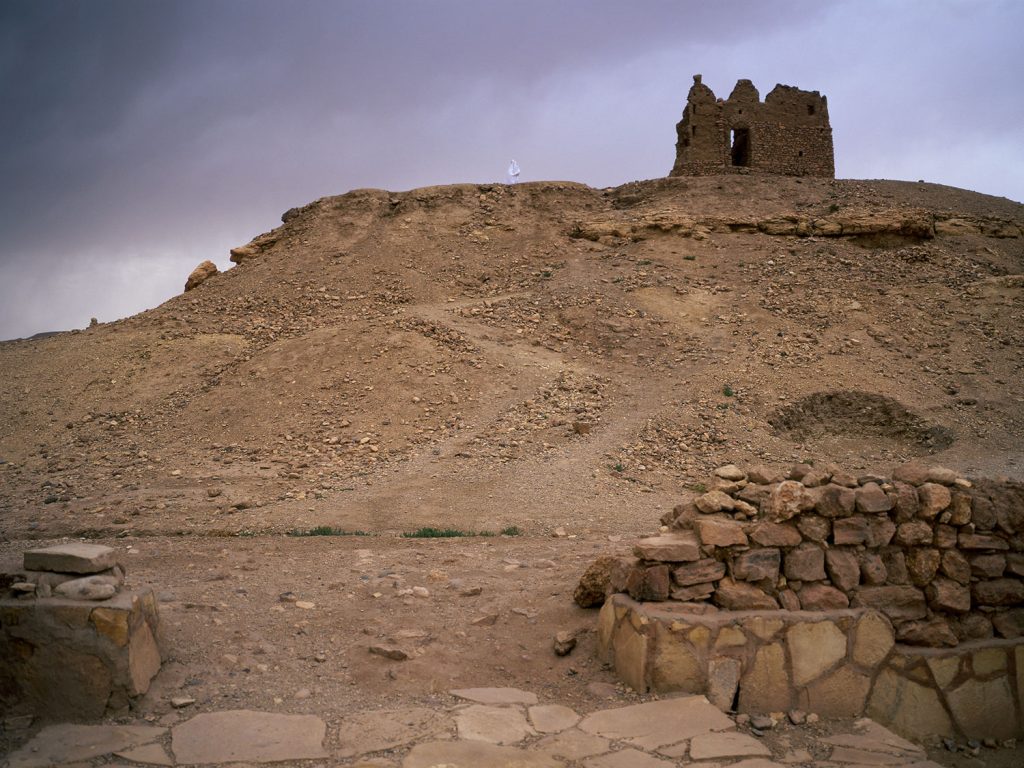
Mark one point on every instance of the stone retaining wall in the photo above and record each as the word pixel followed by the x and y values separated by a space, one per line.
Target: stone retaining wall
pixel 901 597
pixel 837 663
pixel 942 557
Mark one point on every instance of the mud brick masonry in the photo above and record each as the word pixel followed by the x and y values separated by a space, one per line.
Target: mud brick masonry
pixel 788 133
pixel 901 597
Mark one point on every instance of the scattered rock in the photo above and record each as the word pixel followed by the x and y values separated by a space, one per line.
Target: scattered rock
pixel 389 652
pixel 200 275
pixel 564 643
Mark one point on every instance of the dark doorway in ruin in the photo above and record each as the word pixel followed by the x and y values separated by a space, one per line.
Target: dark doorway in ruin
pixel 740 146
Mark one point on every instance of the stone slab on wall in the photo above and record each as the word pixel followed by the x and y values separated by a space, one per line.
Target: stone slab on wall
pixel 65 659
pixel 837 663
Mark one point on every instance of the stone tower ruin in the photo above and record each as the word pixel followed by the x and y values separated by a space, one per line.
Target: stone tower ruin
pixel 788 133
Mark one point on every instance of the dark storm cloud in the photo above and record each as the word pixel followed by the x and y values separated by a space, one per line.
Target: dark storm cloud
pixel 138 138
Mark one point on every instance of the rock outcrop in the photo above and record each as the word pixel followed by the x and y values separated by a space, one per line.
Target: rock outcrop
pixel 200 275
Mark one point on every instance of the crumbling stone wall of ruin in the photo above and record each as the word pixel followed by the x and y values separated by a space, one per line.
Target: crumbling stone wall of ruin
pixel 941 556
pixel 788 133
pixel 826 591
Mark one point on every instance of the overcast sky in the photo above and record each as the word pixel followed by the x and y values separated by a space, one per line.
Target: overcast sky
pixel 138 138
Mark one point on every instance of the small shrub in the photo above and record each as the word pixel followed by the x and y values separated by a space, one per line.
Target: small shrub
pixel 728 391
pixel 428 532
pixel 833 208
pixel 512 530
pixel 698 488
pixel 325 530
pixel 618 467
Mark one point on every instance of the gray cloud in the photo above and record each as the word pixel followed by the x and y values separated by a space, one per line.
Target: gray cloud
pixel 146 136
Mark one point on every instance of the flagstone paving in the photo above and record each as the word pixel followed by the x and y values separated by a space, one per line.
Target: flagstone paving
pixel 56 744
pixel 483 728
pixel 244 736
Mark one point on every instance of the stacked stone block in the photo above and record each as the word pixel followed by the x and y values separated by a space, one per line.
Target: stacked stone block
pixel 942 557
pixel 74 644
pixel 836 663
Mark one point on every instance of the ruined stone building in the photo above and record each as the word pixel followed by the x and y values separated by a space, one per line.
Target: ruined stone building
pixel 788 133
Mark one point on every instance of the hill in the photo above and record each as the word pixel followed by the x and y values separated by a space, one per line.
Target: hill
pixel 536 355
pixel 561 363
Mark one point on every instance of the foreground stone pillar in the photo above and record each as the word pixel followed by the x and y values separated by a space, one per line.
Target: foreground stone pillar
pixel 82 650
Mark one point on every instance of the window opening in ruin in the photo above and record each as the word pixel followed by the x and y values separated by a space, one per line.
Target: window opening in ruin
pixel 810 109
pixel 740 145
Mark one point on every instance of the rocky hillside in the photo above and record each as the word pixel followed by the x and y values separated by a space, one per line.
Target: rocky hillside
pixel 485 356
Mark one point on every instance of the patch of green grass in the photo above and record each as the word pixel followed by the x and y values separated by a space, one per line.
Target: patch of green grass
pixel 698 488
pixel 690 257
pixel 618 467
pixel 833 208
pixel 429 532
pixel 325 530
pixel 512 530
pixel 728 391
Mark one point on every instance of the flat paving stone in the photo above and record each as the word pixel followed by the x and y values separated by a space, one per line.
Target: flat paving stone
pixel 56 744
pixel 573 745
pixel 658 723
pixel 387 729
pixel 150 754
pixel 756 762
pixel 475 754
pixel 552 718
pixel 496 696
pixel 873 737
pixel 677 751
pixel 496 725
pixel 241 735
pixel 627 758
pixel 864 757
pixel 729 744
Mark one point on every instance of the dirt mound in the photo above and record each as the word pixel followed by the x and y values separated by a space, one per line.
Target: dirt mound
pixel 859 414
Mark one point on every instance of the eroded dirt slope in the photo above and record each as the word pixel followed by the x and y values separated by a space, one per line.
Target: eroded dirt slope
pixel 487 356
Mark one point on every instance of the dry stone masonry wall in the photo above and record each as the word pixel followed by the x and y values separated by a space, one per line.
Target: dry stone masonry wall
pixel 74 644
pixel 788 133
pixel 942 557
pixel 838 663
pixel 900 596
